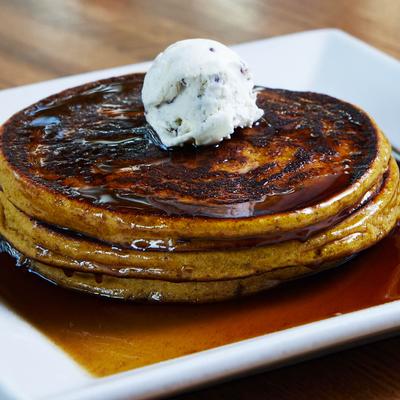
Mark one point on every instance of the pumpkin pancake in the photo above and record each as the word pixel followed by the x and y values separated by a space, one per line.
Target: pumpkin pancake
pixel 87 189
pixel 89 151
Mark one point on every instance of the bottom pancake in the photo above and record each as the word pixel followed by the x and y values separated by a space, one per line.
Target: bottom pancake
pixel 154 290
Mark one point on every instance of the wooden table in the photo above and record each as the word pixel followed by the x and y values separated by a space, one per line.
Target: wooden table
pixel 43 39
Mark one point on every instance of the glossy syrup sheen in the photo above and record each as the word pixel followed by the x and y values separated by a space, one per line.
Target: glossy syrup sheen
pixel 107 336
pixel 92 143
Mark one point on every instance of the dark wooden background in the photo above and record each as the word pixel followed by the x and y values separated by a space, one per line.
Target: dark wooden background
pixel 43 39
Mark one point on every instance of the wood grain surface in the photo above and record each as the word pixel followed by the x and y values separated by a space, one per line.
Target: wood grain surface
pixel 43 39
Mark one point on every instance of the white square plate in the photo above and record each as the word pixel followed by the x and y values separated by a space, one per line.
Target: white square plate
pixel 327 61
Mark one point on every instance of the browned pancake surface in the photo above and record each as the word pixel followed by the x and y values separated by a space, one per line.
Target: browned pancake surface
pixel 92 143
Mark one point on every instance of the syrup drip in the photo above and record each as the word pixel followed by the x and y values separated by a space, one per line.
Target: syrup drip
pixel 182 245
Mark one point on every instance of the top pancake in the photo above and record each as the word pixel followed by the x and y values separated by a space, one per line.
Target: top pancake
pixel 89 149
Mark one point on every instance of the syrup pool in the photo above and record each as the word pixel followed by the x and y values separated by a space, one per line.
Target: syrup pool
pixel 108 336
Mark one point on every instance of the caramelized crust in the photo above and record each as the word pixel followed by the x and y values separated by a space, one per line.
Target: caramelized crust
pixel 92 143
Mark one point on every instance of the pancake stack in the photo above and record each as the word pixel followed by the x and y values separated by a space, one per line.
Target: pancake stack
pixel 91 202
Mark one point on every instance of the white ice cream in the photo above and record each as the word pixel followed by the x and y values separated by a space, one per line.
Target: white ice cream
pixel 198 91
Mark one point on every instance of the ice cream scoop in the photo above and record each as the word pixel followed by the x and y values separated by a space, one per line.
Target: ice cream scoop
pixel 198 91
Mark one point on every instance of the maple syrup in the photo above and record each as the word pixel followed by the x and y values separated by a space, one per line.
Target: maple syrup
pixel 107 336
